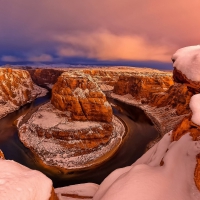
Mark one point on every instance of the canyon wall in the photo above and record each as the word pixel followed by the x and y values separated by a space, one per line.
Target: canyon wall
pixel 16 89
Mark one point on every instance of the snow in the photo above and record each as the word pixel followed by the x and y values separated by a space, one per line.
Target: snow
pixel 195 107
pixel 105 87
pixel 187 60
pixel 19 182
pixel 83 190
pixel 146 179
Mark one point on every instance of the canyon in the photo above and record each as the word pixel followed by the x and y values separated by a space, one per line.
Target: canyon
pixel 77 128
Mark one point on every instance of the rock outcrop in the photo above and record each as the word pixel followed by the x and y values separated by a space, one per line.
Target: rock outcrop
pixel 78 93
pixel 177 97
pixel 16 89
pixel 77 129
pixel 179 77
pixel 20 182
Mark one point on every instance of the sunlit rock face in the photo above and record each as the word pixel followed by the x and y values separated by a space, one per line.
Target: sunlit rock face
pixel 143 85
pixel 45 77
pixel 179 77
pixel 78 93
pixel 177 97
pixel 104 76
pixel 16 89
pixel 77 129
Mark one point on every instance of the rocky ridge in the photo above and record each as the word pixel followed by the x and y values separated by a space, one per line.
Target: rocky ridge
pixel 16 89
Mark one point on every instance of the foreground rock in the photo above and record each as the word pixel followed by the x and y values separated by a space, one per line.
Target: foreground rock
pixel 16 89
pixel 19 182
pixel 80 133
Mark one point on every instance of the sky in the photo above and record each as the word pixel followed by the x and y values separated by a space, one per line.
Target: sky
pixel 97 32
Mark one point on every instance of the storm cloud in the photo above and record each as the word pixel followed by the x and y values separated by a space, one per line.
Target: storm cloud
pixel 108 30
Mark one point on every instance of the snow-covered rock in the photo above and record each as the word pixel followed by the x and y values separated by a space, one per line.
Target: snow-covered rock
pixel 187 60
pixel 80 191
pixel 165 172
pixel 195 107
pixel 19 182
pixel 61 142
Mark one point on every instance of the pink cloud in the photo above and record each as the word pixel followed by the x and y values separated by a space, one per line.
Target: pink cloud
pixel 105 45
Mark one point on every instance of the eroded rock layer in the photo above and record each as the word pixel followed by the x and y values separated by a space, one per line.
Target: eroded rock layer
pixel 78 93
pixel 142 85
pixel 61 142
pixel 16 89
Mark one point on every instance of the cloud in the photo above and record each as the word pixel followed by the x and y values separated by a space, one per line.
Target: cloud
pixel 40 58
pixel 104 45
pixel 10 59
pixel 30 58
pixel 132 27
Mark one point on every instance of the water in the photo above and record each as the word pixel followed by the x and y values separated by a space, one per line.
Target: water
pixel 140 132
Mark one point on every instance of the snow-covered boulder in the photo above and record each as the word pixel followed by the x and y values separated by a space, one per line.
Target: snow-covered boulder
pixel 19 182
pixel 187 67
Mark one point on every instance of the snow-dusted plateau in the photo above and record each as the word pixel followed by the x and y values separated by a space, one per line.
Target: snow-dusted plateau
pixel 78 130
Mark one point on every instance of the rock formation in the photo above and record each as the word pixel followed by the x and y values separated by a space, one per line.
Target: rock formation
pixel 20 182
pixel 75 130
pixel 16 89
pixel 143 85
pixel 78 93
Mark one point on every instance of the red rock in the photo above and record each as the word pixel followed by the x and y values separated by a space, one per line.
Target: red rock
pixel 179 77
pixel 78 93
pixel 140 86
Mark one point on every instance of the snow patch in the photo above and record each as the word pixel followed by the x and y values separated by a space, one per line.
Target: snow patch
pixel 195 107
pixel 187 60
pixel 19 182
pixel 147 179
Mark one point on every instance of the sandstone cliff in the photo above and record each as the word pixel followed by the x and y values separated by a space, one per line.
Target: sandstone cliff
pixel 16 89
pixel 78 93
pixel 143 85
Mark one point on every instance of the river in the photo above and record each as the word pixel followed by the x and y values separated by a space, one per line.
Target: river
pixel 140 131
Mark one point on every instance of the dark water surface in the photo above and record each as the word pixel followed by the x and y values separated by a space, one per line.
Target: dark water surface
pixel 140 132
